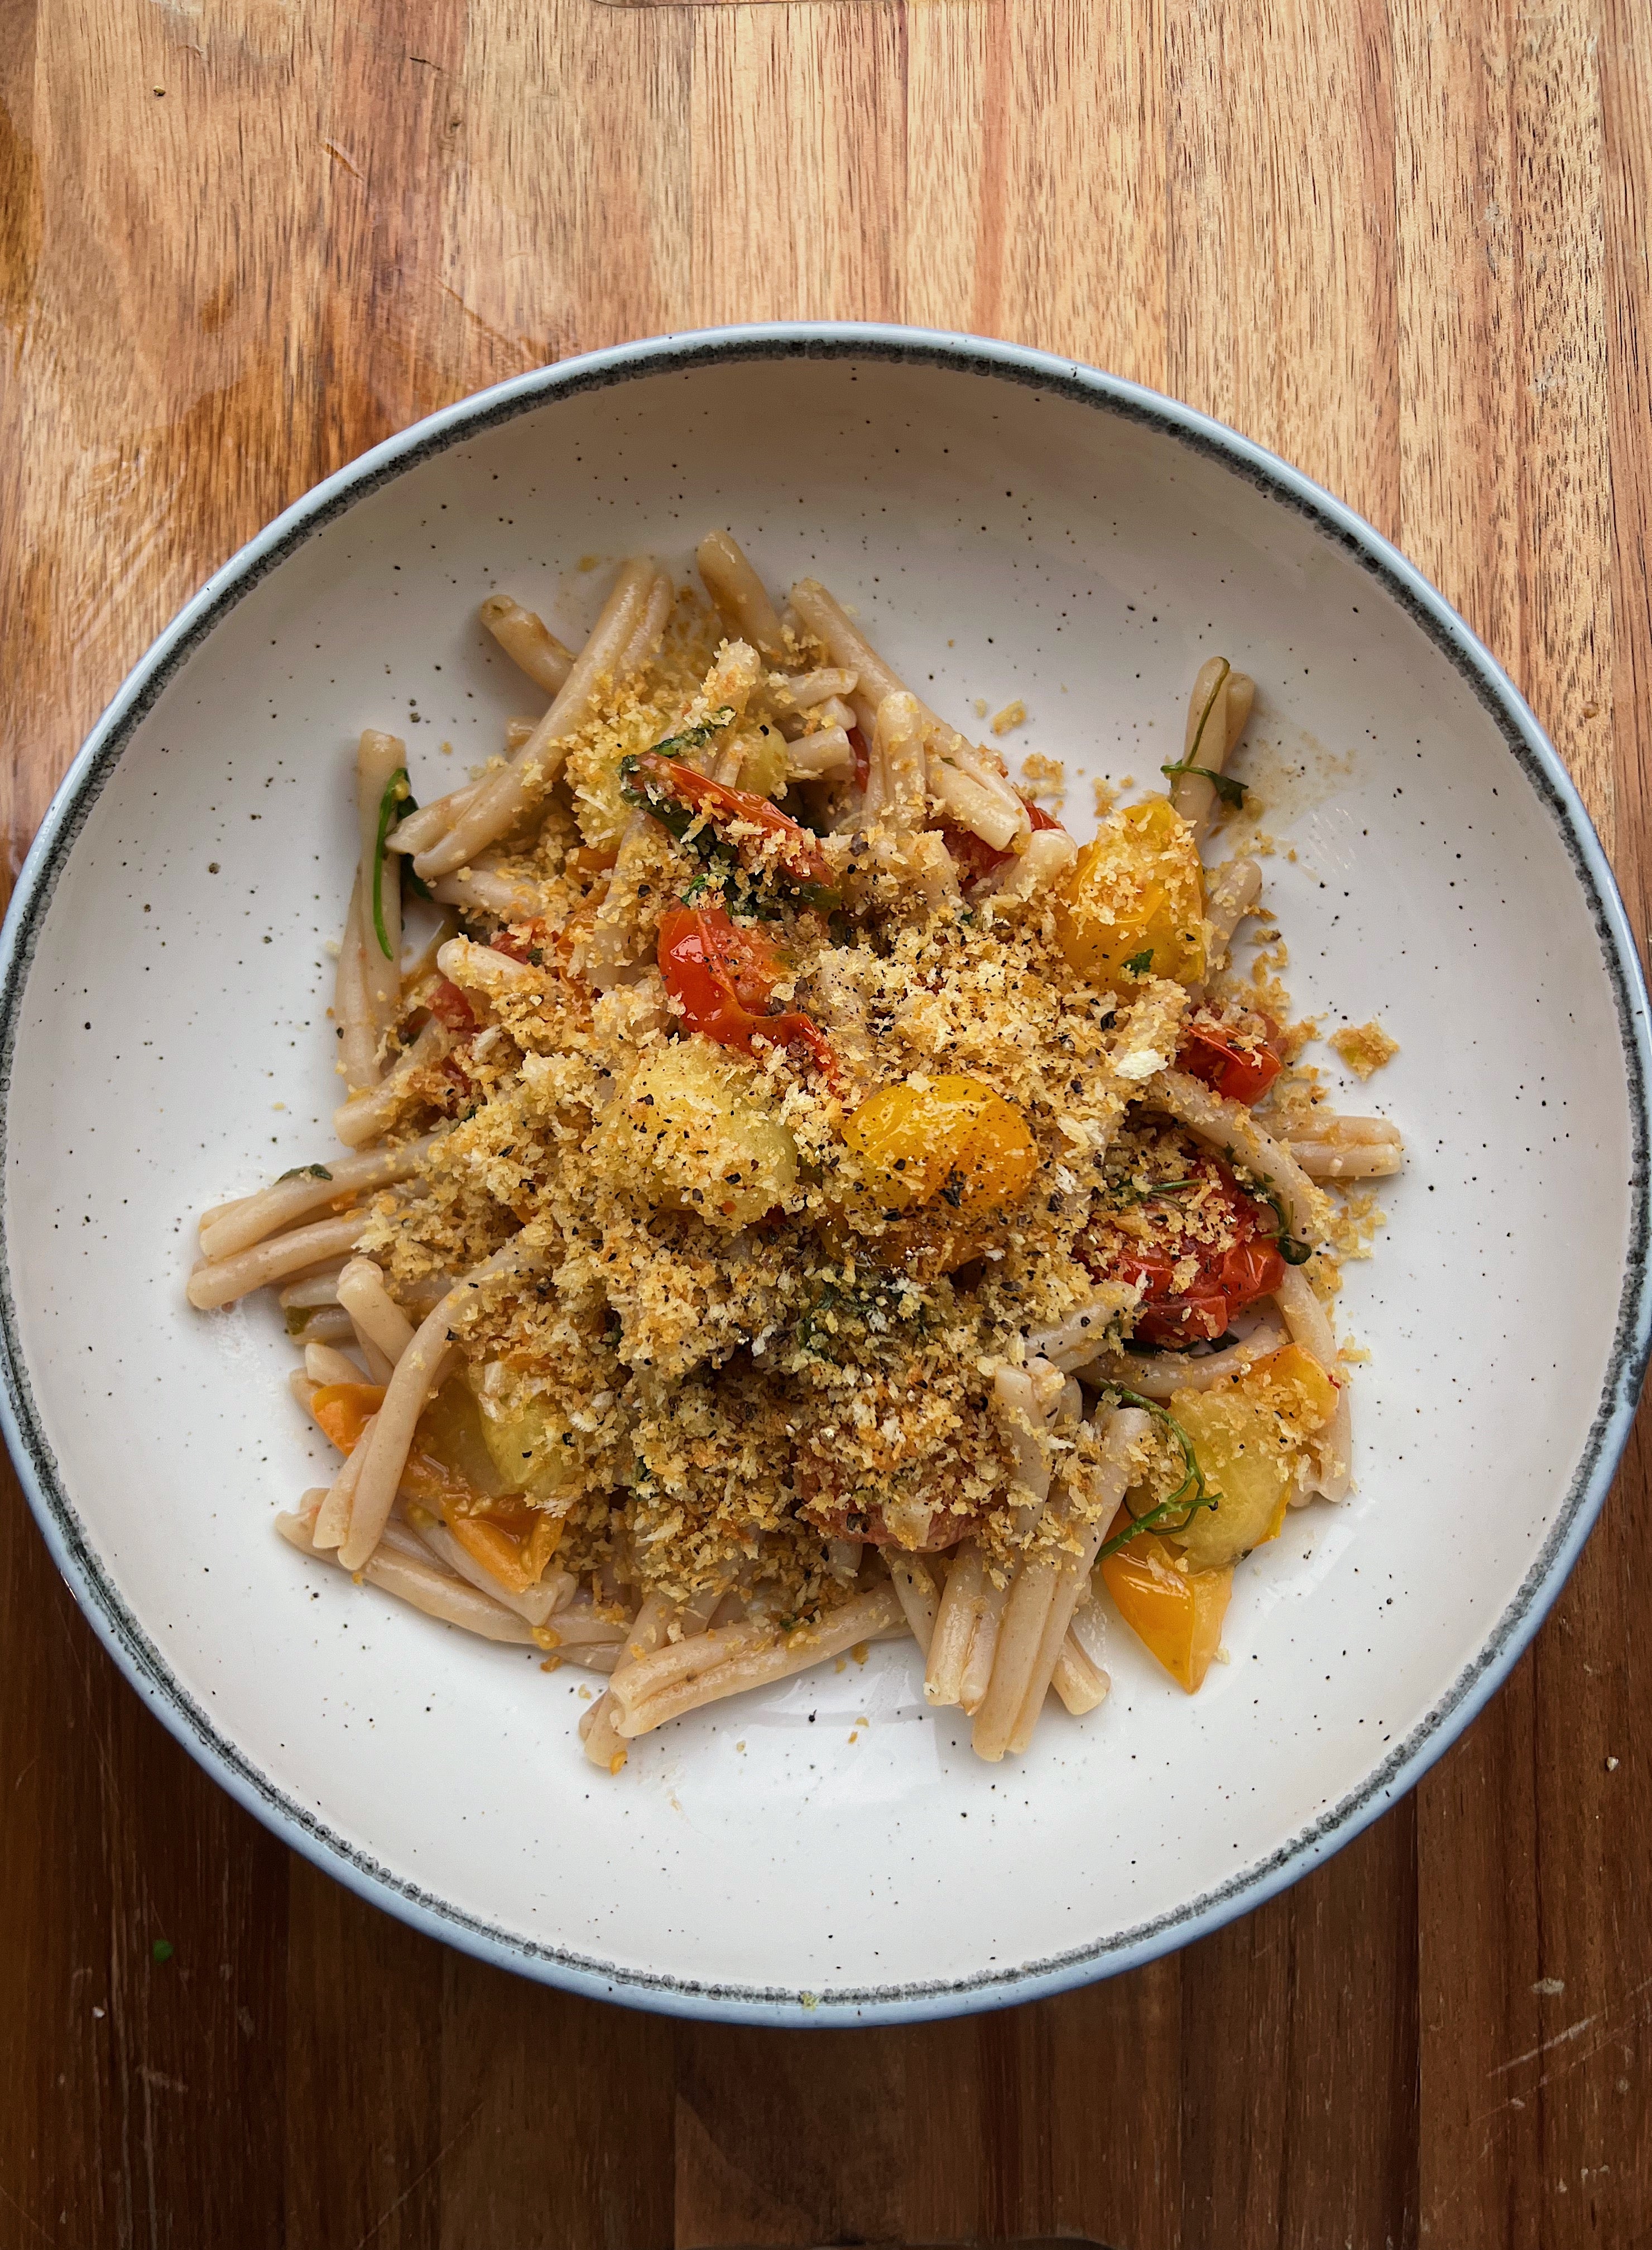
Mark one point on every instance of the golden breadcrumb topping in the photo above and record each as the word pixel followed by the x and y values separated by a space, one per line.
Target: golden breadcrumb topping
pixel 807 1190
pixel 1365 1047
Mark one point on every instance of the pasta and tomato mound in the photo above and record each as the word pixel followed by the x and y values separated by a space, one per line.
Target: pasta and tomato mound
pixel 797 1195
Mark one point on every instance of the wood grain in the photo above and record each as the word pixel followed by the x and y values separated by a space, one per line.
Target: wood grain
pixel 1405 241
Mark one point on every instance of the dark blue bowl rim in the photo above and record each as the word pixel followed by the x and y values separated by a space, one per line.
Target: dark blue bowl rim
pixel 141 1660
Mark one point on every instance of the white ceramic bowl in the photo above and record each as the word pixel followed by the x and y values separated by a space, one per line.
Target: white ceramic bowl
pixel 1008 524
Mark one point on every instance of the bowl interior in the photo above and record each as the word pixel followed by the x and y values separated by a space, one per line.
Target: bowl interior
pixel 833 1838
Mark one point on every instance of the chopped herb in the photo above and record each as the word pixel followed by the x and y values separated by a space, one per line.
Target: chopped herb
pixel 1139 963
pixel 1230 792
pixel 874 1306
pixel 1291 1248
pixel 1126 1192
pixel 644 795
pixel 305 1172
pixel 688 803
pixel 693 738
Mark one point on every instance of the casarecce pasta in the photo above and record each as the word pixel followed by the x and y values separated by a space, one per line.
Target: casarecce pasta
pixel 797 1195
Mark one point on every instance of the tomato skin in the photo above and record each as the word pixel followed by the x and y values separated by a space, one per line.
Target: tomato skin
pixel 1237 1073
pixel 449 1006
pixel 1226 1282
pixel 666 788
pixel 716 971
pixel 1204 1311
pixel 957 1140
pixel 862 756
pixel 520 942
pixel 722 977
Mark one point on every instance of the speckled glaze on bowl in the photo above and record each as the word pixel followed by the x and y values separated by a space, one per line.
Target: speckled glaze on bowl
pixel 1008 524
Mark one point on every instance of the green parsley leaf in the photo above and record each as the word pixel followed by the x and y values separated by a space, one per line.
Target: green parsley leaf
pixel 1230 792
pixel 664 807
pixel 1139 963
pixel 1291 1248
pixel 305 1172
pixel 1125 1192
pixel 694 738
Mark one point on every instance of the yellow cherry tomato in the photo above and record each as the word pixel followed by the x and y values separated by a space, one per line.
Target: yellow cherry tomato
pixel 1133 904
pixel 692 1131
pixel 1249 1435
pixel 1177 1614
pixel 954 1138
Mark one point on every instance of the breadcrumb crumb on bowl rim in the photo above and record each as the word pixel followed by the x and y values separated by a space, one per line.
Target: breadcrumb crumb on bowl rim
pixel 137 1647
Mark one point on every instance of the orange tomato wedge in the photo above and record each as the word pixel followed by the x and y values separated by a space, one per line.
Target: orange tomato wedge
pixel 1177 1615
pixel 512 1541
pixel 669 789
pixel 342 1411
pixel 514 1551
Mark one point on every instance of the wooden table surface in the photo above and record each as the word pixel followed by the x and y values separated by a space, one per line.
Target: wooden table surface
pixel 1407 246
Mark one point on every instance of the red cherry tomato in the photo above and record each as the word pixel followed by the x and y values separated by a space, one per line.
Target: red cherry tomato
pixel 1237 1071
pixel 449 1006
pixel 723 978
pixel 520 942
pixel 666 788
pixel 1224 1281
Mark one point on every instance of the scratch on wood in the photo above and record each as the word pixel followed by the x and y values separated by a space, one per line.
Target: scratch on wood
pixel 418 2181
pixel 1533 2053
pixel 517 344
pixel 27 2216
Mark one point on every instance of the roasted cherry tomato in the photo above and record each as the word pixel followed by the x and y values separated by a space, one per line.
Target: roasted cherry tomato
pixel 675 794
pixel 1238 1068
pixel 461 1080
pixel 723 978
pixel 974 857
pixel 520 941
pixel 449 1006
pixel 1177 1614
pixel 1225 1278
